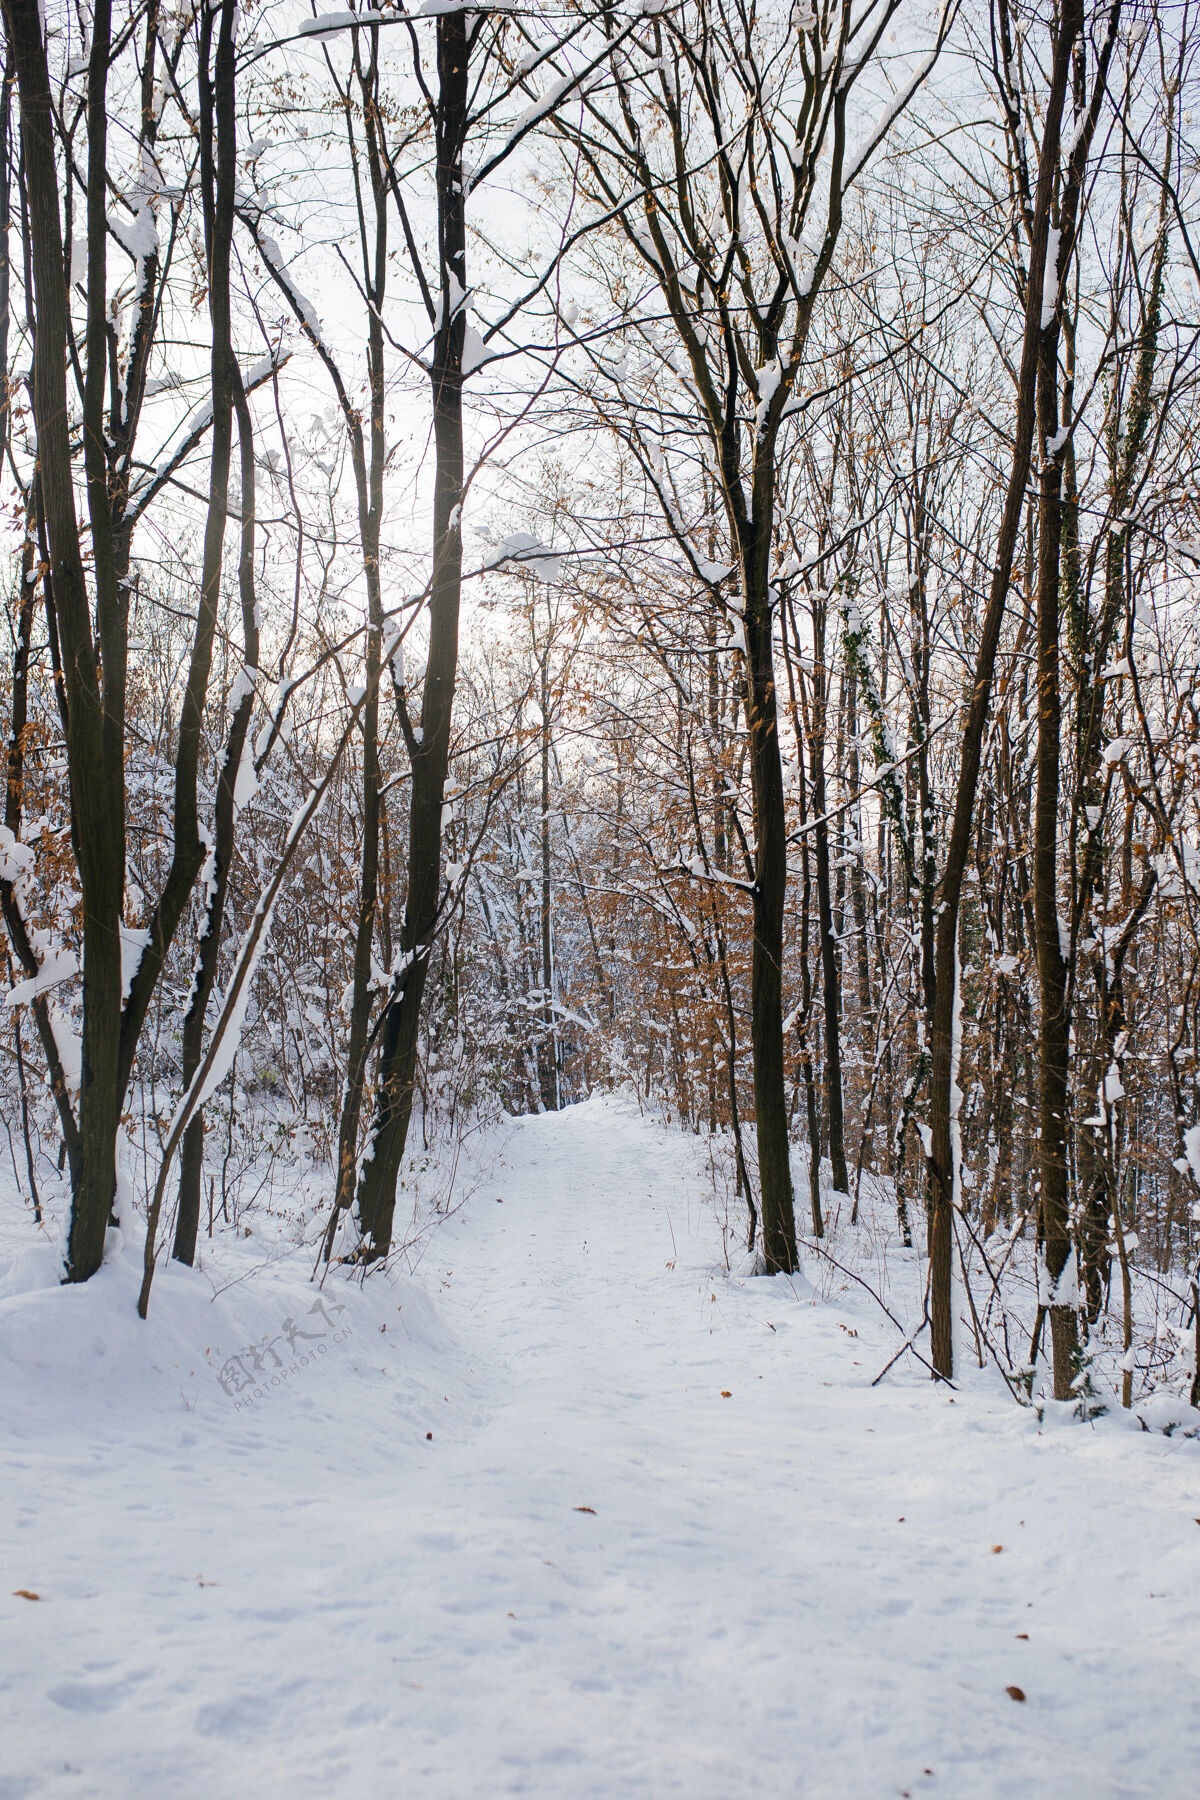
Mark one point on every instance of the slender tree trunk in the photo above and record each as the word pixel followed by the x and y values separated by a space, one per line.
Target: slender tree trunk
pixel 97 817
pixel 830 974
pixel 858 899
pixel 191 1156
pixel 770 888
pixel 430 751
pixel 549 1055
pixel 368 476
pixel 1053 1023
pixel 940 1160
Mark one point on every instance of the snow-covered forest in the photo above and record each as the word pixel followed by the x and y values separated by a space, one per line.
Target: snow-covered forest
pixel 601 619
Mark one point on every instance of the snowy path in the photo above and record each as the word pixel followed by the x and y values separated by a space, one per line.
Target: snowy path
pixel 789 1591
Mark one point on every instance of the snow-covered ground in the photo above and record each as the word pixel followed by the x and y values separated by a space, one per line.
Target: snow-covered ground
pixel 570 1512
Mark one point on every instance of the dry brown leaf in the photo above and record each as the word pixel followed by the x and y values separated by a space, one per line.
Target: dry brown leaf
pixel 26 1594
pixel 1015 1693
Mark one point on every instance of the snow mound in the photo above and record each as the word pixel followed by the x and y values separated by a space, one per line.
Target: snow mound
pixel 249 1334
pixel 1169 1414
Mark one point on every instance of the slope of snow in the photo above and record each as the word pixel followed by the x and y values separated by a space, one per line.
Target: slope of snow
pixel 665 1538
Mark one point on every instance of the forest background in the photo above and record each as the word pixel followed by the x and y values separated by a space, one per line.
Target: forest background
pixel 565 547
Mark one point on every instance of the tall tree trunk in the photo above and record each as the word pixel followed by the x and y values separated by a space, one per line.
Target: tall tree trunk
pixel 97 814
pixel 940 1158
pixel 27 606
pixel 770 888
pixel 191 1155
pixel 1093 640
pixel 830 974
pixel 804 1019
pixel 369 471
pixel 549 1047
pixel 218 151
pixel 1053 1022
pixel 430 751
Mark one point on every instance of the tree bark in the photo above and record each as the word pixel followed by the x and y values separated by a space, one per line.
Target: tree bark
pixel 940 1158
pixel 1053 1023
pixel 776 1204
pixel 831 987
pixel 549 1047
pixel 430 751
pixel 97 814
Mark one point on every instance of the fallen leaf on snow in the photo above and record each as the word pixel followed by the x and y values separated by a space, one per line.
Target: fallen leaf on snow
pixel 26 1594
pixel 1015 1693
pixel 590 1509
pixel 726 1394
